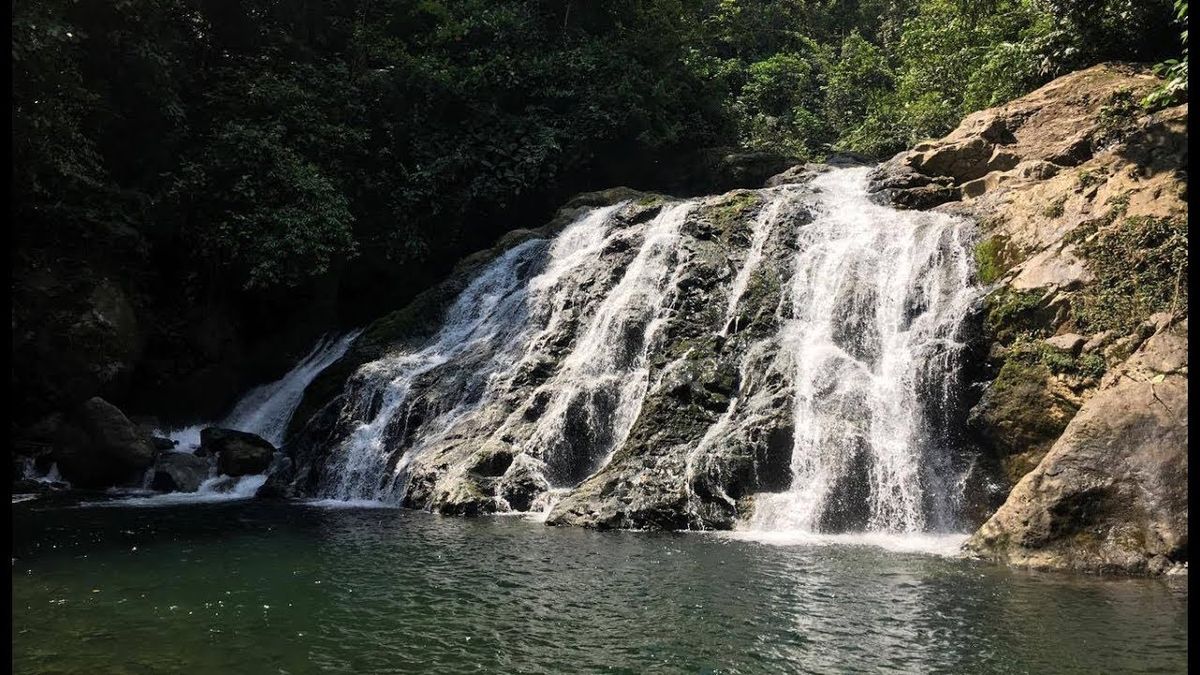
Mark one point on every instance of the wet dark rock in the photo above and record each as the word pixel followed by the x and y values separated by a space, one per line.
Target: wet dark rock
pixel 97 446
pixel 279 480
pixel 39 487
pixel 523 484
pixel 491 462
pixel 112 433
pixel 179 472
pixel 163 444
pixel 238 452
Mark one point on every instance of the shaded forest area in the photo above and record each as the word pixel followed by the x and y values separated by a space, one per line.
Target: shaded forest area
pixel 221 171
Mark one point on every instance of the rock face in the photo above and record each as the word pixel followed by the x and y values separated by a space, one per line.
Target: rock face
pixel 76 331
pixel 179 472
pixel 641 372
pixel 1111 494
pixel 632 365
pixel 97 446
pixel 1081 200
pixel 534 425
pixel 238 452
pixel 279 477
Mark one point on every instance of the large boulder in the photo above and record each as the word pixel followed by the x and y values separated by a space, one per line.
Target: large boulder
pixel 717 170
pixel 238 452
pixel 179 472
pixel 114 434
pixel 1111 495
pixel 1025 141
pixel 97 446
pixel 279 477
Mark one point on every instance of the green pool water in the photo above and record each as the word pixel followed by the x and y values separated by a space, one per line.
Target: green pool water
pixel 247 587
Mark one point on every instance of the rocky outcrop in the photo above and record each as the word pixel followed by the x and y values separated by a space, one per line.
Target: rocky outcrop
pixel 179 472
pixel 1063 125
pixel 97 446
pixel 471 468
pixel 1080 195
pixel 238 452
pixel 1111 494
pixel 279 478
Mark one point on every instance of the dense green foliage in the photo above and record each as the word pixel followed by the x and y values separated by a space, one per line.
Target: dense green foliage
pixel 1174 71
pixel 258 144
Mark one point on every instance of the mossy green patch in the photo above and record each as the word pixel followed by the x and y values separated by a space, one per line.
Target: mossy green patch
pixel 1023 414
pixel 756 308
pixel 1089 178
pixel 1141 267
pixel 1034 352
pixel 651 200
pixel 1118 204
pixel 733 210
pixel 1118 115
pixel 989 259
pixel 1011 313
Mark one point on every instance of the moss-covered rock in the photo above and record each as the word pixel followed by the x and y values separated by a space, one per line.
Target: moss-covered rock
pixel 1111 495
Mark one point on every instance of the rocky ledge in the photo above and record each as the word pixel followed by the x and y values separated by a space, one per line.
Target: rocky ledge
pixel 1080 195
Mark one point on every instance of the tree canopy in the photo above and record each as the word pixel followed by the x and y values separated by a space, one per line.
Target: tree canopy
pixel 265 142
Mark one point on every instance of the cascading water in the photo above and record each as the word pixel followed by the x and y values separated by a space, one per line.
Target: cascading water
pixel 543 366
pixel 267 410
pixel 777 211
pixel 879 298
pixel 604 379
pixel 478 330
pixel 503 325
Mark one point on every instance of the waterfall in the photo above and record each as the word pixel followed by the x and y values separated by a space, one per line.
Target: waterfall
pixel 879 297
pixel 475 337
pixel 776 211
pixel 267 410
pixel 504 324
pixel 603 381
pixel 546 363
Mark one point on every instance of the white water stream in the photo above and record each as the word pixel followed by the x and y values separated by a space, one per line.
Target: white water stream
pixel 878 299
pixel 267 410
pixel 869 341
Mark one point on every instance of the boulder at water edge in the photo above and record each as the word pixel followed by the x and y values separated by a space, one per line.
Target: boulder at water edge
pixel 238 452
pixel 1112 493
pixel 98 446
pixel 179 472
pixel 279 477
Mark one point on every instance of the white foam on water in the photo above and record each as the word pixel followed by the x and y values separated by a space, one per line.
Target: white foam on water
pixel 347 504
pixel 945 545
pixel 213 490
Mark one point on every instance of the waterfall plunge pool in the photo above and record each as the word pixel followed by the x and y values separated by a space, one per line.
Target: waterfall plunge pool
pixel 253 587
